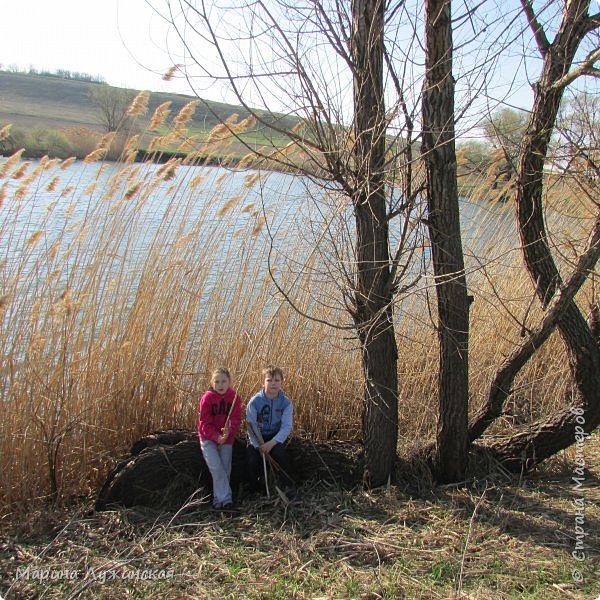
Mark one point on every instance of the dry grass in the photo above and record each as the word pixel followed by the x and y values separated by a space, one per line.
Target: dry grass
pixel 109 332
pixel 497 539
pixel 116 304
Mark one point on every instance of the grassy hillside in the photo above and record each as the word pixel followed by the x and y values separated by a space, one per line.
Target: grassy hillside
pixel 32 101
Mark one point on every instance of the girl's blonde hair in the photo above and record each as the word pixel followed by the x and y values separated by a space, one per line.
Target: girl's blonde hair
pixel 220 371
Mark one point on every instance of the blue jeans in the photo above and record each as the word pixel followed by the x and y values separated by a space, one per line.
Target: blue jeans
pixel 218 460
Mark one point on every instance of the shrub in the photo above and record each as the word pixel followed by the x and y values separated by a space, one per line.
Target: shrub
pixel 16 139
pixel 83 140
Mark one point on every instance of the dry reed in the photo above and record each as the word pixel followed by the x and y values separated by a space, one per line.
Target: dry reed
pixel 119 301
pixel 160 115
pixel 5 131
pixel 170 72
pixel 139 105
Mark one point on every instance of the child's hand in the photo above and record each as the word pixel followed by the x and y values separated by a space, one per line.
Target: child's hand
pixel 221 439
pixel 267 446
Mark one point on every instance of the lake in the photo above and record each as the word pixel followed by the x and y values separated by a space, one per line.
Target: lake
pixel 141 215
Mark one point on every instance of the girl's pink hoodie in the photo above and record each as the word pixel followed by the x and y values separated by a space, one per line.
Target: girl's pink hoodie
pixel 213 412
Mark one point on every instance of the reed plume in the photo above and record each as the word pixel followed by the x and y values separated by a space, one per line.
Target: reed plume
pixel 168 170
pixel 187 144
pixel 5 131
pixel 197 180
pixel 20 171
pixel 218 133
pixel 132 144
pixel 139 105
pixel 132 191
pixel 229 204
pixel 67 162
pixel 251 179
pixel 260 223
pixel 170 72
pixel 95 155
pixel 90 189
pixel 158 143
pixel 184 115
pixel 34 239
pixel 10 162
pixel 160 115
pixel 247 160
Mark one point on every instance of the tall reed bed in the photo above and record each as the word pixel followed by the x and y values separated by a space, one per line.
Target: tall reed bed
pixel 122 286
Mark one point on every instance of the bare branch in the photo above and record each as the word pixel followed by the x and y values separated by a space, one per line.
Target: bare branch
pixel 505 375
pixel 593 23
pixel 538 31
pixel 585 68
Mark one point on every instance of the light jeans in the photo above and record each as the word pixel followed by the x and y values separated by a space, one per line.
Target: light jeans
pixel 218 460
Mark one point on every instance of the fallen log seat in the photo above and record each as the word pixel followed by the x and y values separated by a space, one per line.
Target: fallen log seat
pixel 166 467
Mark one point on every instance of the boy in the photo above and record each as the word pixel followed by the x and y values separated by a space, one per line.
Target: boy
pixel 269 417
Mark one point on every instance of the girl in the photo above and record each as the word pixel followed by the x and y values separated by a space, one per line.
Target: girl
pixel 219 418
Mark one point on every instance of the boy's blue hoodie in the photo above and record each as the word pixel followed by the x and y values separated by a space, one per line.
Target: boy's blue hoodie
pixel 271 418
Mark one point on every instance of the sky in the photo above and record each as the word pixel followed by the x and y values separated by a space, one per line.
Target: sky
pixel 122 41
pixel 126 43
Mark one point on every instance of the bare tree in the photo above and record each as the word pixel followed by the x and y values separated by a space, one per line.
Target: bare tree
pixel 356 142
pixel 562 64
pixel 111 105
pixel 372 310
pixel 446 246
pixel 311 57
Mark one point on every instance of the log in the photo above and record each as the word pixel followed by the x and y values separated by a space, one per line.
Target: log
pixel 165 468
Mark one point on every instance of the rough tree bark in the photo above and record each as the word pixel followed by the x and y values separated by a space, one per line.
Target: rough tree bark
pixel 446 246
pixel 373 314
pixel 541 440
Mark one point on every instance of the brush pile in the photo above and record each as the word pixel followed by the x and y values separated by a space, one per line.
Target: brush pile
pixel 166 466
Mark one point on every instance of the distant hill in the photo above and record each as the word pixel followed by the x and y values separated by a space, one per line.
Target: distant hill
pixel 28 101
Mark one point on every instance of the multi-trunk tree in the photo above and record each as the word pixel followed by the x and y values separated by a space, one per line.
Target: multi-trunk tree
pixel 348 71
pixel 562 65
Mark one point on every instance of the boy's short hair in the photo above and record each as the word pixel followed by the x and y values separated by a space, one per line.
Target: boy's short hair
pixel 272 371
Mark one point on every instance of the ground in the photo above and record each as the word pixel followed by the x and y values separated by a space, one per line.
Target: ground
pixel 503 537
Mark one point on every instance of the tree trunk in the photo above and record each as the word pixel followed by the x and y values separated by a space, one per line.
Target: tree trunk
pixel 373 314
pixel 540 441
pixel 446 245
pixel 501 386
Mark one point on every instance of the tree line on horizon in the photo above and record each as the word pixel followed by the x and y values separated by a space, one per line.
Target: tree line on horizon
pixel 57 73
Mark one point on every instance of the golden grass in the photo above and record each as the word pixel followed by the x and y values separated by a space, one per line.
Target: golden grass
pixel 499 539
pixel 109 331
